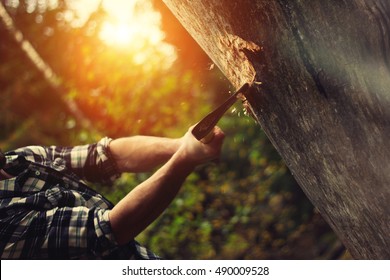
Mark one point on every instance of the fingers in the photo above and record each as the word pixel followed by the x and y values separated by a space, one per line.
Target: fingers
pixel 217 137
pixel 210 137
pixel 218 133
pixel 200 152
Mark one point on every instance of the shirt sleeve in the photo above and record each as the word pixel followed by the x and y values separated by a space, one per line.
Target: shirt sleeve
pixel 79 231
pixel 61 233
pixel 93 162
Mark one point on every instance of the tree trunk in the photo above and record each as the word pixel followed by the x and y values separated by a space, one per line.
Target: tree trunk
pixel 320 90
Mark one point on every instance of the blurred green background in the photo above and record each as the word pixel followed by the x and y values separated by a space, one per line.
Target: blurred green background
pixel 127 67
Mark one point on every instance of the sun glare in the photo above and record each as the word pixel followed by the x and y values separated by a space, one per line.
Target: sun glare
pixel 117 33
pixel 136 27
pixel 124 33
pixel 131 26
pixel 130 22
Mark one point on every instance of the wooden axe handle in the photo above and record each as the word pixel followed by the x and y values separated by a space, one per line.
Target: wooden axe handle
pixel 204 130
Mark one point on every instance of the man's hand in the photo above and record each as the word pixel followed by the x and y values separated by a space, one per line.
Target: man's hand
pixel 197 152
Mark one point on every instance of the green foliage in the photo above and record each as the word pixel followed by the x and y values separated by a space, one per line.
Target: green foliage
pixel 247 206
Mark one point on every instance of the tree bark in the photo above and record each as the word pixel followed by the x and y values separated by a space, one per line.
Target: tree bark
pixel 320 90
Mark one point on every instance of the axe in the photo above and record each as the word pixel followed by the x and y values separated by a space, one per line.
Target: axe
pixel 203 131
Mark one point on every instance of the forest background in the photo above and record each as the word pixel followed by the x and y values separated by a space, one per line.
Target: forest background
pixel 137 71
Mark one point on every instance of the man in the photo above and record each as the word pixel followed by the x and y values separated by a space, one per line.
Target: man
pixel 47 211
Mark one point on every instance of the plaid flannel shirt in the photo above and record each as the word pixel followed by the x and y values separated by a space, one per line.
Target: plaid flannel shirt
pixel 48 212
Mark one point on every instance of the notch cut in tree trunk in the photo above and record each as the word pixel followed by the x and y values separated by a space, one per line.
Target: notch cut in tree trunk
pixel 321 81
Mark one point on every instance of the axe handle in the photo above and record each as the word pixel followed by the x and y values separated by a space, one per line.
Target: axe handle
pixel 204 130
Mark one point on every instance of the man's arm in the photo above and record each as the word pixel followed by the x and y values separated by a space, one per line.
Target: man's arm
pixel 149 199
pixel 142 153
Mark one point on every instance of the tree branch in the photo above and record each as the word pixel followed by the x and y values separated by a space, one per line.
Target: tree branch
pixel 49 75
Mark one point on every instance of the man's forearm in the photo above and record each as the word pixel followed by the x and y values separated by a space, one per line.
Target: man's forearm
pixel 149 199
pixel 142 153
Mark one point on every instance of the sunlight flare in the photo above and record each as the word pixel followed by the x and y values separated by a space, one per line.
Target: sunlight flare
pixel 132 27
pixel 130 22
